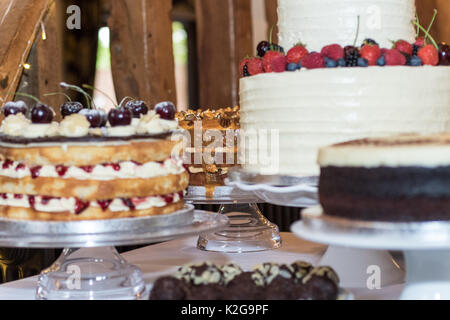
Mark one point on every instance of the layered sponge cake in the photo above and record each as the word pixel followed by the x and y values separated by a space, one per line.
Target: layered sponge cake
pixel 71 171
pixel 401 178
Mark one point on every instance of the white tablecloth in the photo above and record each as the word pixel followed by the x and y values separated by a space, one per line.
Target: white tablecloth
pixel 164 258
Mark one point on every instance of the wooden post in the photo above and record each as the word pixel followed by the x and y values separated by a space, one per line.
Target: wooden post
pixel 441 28
pixel 19 23
pixel 224 33
pixel 141 50
pixel 272 19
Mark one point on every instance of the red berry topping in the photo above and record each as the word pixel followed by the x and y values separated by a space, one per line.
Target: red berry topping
pixel 444 54
pixel 20 166
pixel 115 166
pixel 80 206
pixel 104 204
pixel 4 196
pixel 429 55
pixel 371 53
pixel 181 194
pixel 61 170
pixel 41 113
pixel 45 200
pixel 166 110
pixel 18 196
pixel 394 58
pixel 31 201
pixel 420 42
pixel 255 66
pixel 120 117
pixel 313 61
pixel 14 108
pixel 274 61
pixel 35 171
pixel 333 51
pixel 7 163
pixel 168 198
pixel 403 46
pixel 296 54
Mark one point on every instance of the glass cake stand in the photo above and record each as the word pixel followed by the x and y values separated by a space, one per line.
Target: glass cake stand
pixel 90 267
pixel 426 246
pixel 248 231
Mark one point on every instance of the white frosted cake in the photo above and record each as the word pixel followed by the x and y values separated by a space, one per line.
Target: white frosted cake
pixel 311 108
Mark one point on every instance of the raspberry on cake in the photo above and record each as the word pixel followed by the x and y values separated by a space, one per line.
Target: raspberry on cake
pixel 399 178
pixel 75 171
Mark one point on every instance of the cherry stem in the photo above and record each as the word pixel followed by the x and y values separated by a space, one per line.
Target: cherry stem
pixel 418 22
pixel 270 37
pixel 427 34
pixel 28 96
pixel 95 89
pixel 124 99
pixel 58 93
pixel 78 89
pixel 431 23
pixel 357 32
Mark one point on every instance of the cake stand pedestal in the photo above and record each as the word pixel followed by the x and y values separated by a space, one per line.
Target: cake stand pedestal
pixel 302 192
pixel 97 271
pixel 248 231
pixel 426 246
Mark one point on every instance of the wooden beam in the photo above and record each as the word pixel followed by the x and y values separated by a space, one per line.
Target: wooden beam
pixel 20 20
pixel 441 28
pixel 141 49
pixel 224 33
pixel 272 19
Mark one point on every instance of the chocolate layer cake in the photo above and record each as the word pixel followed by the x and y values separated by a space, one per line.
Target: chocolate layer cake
pixel 268 281
pixel 212 144
pixel 403 178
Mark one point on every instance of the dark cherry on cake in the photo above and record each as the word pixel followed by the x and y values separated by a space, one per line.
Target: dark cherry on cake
pixel 444 54
pixel 41 114
pixel 96 117
pixel 14 107
pixel 71 107
pixel 166 110
pixel 137 107
pixel 120 117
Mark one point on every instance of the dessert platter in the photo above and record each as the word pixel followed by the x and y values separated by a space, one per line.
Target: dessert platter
pixel 211 150
pixel 267 281
pixel 93 180
pixel 334 76
pixel 388 194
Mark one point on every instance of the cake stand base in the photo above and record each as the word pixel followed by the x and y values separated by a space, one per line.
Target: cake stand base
pixel 248 231
pixel 91 274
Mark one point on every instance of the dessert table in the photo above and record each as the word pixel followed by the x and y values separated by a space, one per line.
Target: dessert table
pixel 164 258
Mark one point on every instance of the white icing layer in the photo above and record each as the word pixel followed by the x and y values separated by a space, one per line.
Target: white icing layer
pixel 127 170
pixel 317 23
pixel 315 108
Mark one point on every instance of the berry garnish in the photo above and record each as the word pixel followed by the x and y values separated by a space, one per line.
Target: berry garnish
pixel 444 54
pixel 104 204
pixel 429 55
pixel 61 170
pixel 333 51
pixel 274 61
pixel 313 61
pixel 394 57
pixel 243 68
pixel 80 206
pixel 255 66
pixel 120 117
pixel 262 48
pixel 296 54
pixel 137 107
pixel 41 113
pixel 370 42
pixel 341 62
pixel 415 61
pixel 166 110
pixel 96 117
pixel 351 55
pixel 129 203
pixel 403 46
pixel 292 67
pixel 371 53
pixel 70 107
pixel 7 163
pixel 363 62
pixel 16 107
pixel 381 61
pixel 35 171
pixel 330 63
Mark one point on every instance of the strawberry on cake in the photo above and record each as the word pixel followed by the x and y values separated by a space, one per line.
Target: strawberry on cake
pixel 91 165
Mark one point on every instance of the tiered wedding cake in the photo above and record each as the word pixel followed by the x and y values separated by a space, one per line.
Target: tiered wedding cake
pixel 310 108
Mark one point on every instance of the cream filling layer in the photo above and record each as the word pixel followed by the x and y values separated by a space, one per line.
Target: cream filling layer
pixel 48 204
pixel 122 170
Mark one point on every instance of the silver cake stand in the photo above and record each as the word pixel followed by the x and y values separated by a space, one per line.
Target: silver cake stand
pixel 282 190
pixel 248 231
pixel 97 270
pixel 426 246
